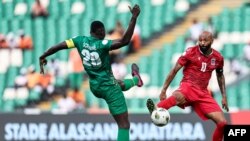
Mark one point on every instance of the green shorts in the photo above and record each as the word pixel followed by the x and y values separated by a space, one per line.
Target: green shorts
pixel 114 97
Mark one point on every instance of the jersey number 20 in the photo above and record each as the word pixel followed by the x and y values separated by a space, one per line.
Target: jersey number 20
pixel 91 58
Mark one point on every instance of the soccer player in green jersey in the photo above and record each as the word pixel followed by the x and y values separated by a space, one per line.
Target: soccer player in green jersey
pixel 94 52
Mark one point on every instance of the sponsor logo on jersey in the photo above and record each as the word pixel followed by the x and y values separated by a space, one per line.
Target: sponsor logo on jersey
pixel 213 61
pixel 86 45
pixel 104 42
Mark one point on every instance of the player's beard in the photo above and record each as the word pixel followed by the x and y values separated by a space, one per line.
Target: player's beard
pixel 204 49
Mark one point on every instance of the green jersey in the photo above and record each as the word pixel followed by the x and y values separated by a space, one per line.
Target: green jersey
pixel 95 57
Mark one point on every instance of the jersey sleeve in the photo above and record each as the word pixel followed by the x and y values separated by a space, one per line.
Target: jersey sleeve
pixel 72 42
pixel 106 44
pixel 221 63
pixel 183 59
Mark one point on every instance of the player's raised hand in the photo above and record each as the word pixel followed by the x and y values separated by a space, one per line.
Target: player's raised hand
pixel 224 104
pixel 42 62
pixel 135 10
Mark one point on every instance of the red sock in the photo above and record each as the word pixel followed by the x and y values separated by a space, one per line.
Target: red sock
pixel 167 103
pixel 218 132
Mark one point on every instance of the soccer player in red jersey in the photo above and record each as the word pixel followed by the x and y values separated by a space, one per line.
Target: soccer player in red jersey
pixel 198 62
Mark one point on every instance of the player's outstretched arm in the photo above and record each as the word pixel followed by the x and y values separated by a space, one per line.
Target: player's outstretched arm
pixel 169 79
pixel 116 44
pixel 221 82
pixel 50 51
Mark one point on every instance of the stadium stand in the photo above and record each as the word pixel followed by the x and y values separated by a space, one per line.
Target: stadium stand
pixel 156 16
pixel 16 15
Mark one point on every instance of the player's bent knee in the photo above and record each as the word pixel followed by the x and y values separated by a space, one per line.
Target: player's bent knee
pixel 125 125
pixel 180 98
pixel 222 124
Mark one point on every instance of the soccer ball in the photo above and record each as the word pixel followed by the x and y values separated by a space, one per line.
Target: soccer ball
pixel 160 117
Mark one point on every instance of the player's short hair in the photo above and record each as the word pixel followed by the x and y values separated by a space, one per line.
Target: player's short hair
pixel 95 25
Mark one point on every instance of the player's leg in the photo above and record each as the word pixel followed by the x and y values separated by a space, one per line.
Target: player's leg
pixel 207 108
pixel 123 126
pixel 126 84
pixel 177 98
pixel 118 108
pixel 220 121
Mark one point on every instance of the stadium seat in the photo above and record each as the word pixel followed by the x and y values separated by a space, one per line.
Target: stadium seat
pixel 64 8
pixel 232 97
pixel 27 27
pixel 133 104
pixel 11 75
pixel 4 28
pixel 243 93
pixel 34 95
pixel 50 32
pixel 8 9
pixel 8 106
pixel 53 9
pixel 60 81
pixel 228 51
pixel 27 58
pixel 91 100
pixel 102 104
pixel 21 96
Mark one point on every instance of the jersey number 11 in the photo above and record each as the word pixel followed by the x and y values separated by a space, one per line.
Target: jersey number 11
pixel 203 66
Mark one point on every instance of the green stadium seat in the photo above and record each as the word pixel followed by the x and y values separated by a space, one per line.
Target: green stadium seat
pixel 232 97
pixel 64 8
pixel 21 97
pixel 11 75
pixel 143 63
pixel 60 81
pixel 29 4
pixel 34 96
pixel 27 26
pixel 193 1
pixel 109 18
pixel 2 79
pixel 170 15
pixel 228 51
pixel 8 10
pixel 246 24
pixel 27 58
pixel 179 44
pixel 100 10
pixel 175 110
pixel 4 28
pixel 102 104
pixel 74 22
pixel 154 69
pixel 15 25
pixel 8 106
pixel 244 96
pixel 91 100
pixel 157 18
pixel 238 50
pixel 54 9
pixel 1 12
pixel 50 32
pixel 90 10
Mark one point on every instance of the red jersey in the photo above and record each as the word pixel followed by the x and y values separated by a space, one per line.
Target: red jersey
pixel 198 67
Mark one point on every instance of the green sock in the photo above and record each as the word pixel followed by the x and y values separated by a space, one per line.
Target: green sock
pixel 129 83
pixel 123 134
